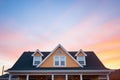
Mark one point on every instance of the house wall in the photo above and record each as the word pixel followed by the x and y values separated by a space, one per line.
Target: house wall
pixel 80 54
pixel 61 77
pixel 37 54
pixel 36 77
pixel 39 77
pixel 94 78
pixel 115 75
pixel 69 61
pixel 22 77
pixel 76 77
pixel 91 77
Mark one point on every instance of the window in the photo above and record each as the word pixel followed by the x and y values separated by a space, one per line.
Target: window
pixel 59 61
pixel 37 60
pixel 59 52
pixel 62 60
pixel 81 59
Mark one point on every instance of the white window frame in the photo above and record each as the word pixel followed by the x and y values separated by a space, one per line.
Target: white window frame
pixel 83 59
pixel 59 65
pixel 55 60
pixel 35 60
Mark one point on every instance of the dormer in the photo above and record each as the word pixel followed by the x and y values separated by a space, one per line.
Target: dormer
pixel 37 57
pixel 80 57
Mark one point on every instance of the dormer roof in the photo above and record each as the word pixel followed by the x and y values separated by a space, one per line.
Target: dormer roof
pixel 81 51
pixel 37 51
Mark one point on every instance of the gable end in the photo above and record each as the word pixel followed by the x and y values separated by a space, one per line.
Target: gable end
pixel 60 46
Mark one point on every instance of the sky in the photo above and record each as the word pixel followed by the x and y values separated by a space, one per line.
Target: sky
pixel 91 25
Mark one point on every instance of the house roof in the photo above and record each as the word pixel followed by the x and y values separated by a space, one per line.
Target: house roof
pixel 25 62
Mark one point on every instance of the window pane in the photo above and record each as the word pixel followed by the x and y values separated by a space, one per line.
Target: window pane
pixel 80 58
pixel 62 58
pixel 62 63
pixel 37 62
pixel 37 58
pixel 56 58
pixel 56 63
pixel 81 62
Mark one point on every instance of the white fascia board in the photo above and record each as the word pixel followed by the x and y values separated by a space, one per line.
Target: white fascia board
pixel 59 71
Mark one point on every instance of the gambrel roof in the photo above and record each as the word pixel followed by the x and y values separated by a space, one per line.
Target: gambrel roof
pixel 25 62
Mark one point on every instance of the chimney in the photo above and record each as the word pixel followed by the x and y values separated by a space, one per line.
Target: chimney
pixel 2 69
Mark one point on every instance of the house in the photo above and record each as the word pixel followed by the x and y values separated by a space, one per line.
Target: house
pixel 59 64
pixel 115 75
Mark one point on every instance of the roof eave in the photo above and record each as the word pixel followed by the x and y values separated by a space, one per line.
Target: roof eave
pixel 109 71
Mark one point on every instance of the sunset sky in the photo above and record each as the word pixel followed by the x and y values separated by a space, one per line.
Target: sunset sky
pixel 91 25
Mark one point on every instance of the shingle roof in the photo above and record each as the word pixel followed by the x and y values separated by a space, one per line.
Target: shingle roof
pixel 25 62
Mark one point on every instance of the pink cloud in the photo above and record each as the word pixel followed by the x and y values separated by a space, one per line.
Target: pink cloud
pixel 103 39
pixel 87 35
pixel 79 33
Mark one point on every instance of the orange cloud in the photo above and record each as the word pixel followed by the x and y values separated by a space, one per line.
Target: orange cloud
pixel 108 48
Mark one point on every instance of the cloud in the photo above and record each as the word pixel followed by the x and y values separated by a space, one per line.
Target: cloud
pixel 103 39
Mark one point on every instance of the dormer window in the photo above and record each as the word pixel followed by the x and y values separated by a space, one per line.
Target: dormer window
pixel 37 60
pixel 80 56
pixel 81 60
pixel 37 57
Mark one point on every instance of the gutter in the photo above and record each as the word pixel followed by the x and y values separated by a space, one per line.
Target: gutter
pixel 59 71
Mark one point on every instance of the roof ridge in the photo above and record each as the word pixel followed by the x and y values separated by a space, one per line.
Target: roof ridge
pixel 50 51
